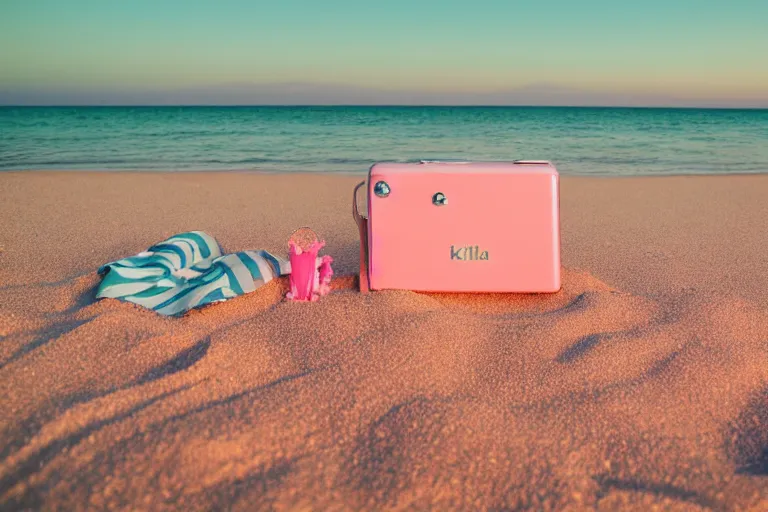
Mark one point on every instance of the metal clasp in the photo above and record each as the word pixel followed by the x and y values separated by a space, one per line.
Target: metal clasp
pixel 448 161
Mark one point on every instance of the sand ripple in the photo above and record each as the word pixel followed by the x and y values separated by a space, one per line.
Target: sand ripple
pixel 589 398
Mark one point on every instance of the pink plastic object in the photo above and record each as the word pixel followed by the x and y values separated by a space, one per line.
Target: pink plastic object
pixel 462 227
pixel 310 276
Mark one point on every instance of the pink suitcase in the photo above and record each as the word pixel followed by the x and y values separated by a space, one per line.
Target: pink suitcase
pixel 461 227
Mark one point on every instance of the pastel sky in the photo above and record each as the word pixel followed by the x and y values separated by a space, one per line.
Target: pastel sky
pixel 683 52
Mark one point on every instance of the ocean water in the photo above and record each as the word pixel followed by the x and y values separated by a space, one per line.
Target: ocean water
pixel 582 141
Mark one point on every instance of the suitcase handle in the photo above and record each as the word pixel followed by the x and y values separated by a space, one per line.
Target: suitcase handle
pixel 362 226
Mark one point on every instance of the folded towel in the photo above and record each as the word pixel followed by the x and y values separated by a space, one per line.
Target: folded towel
pixel 188 271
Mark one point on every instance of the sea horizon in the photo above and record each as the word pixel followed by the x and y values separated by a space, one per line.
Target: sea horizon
pixel 374 105
pixel 348 139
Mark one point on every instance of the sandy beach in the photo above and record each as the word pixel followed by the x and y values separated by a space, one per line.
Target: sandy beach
pixel 642 385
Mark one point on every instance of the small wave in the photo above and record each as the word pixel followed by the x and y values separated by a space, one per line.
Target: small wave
pixel 251 160
pixel 32 163
pixel 350 161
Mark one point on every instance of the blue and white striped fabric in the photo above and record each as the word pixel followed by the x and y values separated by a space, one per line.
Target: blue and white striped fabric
pixel 187 271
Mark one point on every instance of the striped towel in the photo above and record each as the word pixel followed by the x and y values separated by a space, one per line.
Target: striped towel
pixel 187 271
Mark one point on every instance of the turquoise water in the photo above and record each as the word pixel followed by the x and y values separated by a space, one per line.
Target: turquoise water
pixel 585 141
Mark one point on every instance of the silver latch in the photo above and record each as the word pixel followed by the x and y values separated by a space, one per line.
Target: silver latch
pixel 532 162
pixel 446 161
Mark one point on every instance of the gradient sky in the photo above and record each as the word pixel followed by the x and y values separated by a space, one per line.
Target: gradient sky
pixel 640 50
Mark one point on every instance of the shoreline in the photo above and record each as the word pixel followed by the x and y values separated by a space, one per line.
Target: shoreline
pixel 362 173
pixel 394 106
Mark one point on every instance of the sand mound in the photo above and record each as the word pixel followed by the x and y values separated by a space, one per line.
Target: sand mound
pixel 589 397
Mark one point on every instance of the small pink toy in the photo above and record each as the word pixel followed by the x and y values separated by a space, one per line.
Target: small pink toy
pixel 310 275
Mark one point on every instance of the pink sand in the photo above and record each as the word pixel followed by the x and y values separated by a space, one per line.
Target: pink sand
pixel 642 384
